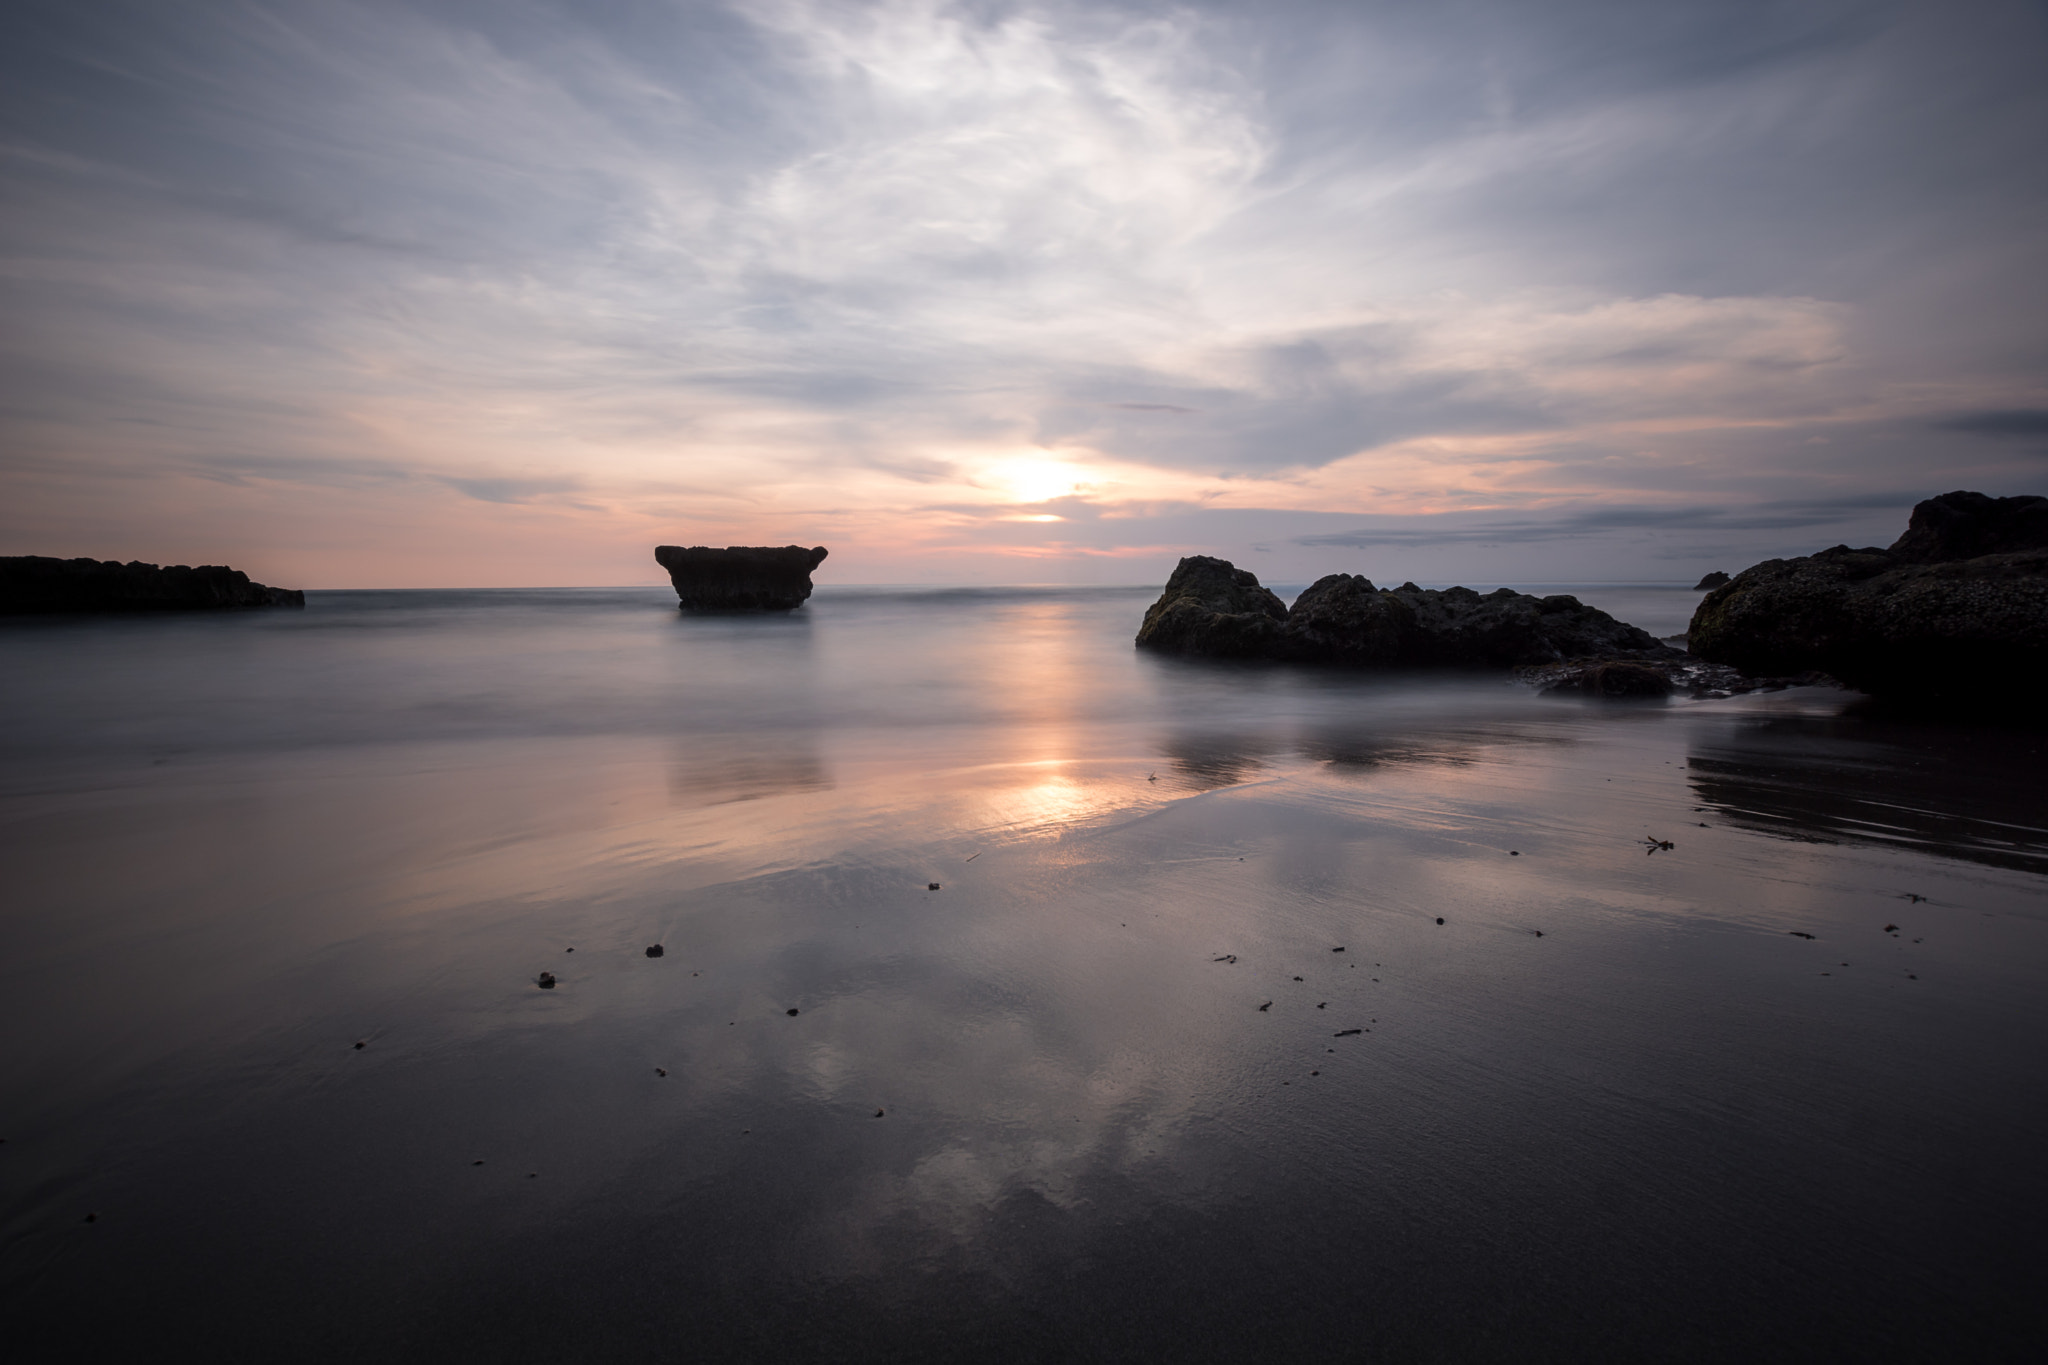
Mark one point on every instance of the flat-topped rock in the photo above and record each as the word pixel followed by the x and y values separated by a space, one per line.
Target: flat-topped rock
pixel 740 577
pixel 1211 607
pixel 39 584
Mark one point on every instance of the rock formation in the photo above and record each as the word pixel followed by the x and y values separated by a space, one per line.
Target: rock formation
pixel 1712 580
pixel 1956 608
pixel 1211 607
pixel 740 577
pixel 39 584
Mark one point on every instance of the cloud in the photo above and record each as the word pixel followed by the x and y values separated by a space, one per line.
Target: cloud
pixel 1582 522
pixel 723 262
pixel 2005 422
pixel 510 490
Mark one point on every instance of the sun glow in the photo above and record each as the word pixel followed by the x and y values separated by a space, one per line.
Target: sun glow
pixel 1032 479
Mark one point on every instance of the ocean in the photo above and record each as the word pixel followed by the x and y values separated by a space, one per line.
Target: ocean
pixel 1021 996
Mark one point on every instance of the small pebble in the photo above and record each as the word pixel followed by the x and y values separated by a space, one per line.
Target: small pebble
pixel 533 1175
pixel 878 1113
pixel 568 950
pixel 360 1045
pixel 654 950
pixel 1263 1008
pixel 547 981
pixel 1336 950
pixel 476 1163
pixel 1297 978
pixel 660 1071
pixel 1514 853
pixel 1315 1073
pixel 1439 919
pixel 792 1014
pixel 932 886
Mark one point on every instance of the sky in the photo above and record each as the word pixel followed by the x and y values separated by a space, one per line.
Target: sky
pixel 424 293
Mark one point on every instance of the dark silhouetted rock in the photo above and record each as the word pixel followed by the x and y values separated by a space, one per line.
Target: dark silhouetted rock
pixel 1937 617
pixel 546 981
pixel 35 584
pixel 654 950
pixel 1963 525
pixel 1712 580
pixel 1213 608
pixel 740 577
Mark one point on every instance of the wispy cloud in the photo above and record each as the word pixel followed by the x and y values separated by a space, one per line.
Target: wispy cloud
pixel 928 269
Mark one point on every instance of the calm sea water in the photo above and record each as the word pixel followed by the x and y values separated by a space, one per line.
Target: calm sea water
pixel 1098 1096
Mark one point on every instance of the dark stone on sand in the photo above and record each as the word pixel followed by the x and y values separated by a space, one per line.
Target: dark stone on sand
pixel 931 886
pixel 1439 919
pixel 360 1046
pixel 878 1113
pixel 740 577
pixel 1346 1033
pixel 792 1014
pixel 654 950
pixel 547 981
pixel 1955 610
pixel 1211 607
pixel 1263 1008
pixel 1615 678
pixel 1712 580
pixel 1799 933
pixel 37 585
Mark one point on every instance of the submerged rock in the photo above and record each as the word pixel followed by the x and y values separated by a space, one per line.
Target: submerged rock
pixel 36 584
pixel 1211 607
pixel 740 577
pixel 1956 608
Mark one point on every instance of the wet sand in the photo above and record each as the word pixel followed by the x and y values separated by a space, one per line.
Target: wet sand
pixel 1616 1105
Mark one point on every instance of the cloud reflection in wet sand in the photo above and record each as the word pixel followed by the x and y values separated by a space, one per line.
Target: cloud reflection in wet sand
pixel 1095 1140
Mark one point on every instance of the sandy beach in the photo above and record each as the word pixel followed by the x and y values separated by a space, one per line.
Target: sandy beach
pixel 1257 1010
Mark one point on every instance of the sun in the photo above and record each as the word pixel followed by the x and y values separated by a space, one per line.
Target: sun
pixel 1031 479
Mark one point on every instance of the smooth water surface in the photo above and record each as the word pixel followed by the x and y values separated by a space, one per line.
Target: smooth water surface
pixel 1099 1096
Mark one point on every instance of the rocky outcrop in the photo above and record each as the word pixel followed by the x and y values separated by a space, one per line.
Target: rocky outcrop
pixel 1956 608
pixel 38 584
pixel 1211 607
pixel 740 577
pixel 1712 580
